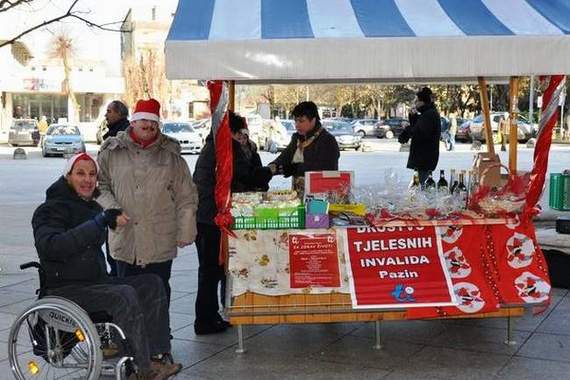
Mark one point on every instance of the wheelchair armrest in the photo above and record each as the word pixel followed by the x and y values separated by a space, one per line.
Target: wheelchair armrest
pixel 31 264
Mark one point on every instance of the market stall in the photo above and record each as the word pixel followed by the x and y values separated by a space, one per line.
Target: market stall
pixel 477 260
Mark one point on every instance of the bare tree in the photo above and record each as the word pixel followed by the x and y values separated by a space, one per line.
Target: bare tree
pixel 145 77
pixel 62 47
pixel 72 12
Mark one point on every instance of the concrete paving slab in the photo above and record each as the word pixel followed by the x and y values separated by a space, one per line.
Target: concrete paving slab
pixel 558 321
pixel 179 321
pixel 479 339
pixel 227 338
pixel 184 305
pixel 547 346
pixel 531 369
pixel 271 366
pixel 419 332
pixel 9 297
pixel 355 350
pixel 190 353
pixel 445 363
pixel 18 307
pixel 6 321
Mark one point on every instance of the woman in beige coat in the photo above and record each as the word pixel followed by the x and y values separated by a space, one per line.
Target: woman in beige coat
pixel 143 173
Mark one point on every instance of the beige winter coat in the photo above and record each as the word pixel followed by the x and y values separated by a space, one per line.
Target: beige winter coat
pixel 154 188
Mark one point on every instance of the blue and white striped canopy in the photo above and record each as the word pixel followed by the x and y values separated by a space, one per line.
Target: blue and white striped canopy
pixel 360 40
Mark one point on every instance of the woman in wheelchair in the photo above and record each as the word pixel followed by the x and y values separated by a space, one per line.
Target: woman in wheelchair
pixel 69 230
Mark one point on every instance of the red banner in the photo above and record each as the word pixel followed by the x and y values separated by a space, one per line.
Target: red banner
pixel 397 267
pixel 313 260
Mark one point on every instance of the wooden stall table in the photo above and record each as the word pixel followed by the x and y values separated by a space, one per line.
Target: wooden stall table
pixel 265 287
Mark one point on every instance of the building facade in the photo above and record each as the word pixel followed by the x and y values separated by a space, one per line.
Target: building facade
pixel 142 53
pixel 34 88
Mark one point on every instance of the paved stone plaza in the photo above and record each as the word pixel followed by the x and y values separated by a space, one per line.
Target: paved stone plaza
pixel 459 349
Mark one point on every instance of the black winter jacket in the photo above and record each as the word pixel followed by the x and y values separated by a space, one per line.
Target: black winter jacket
pixel 425 132
pixel 67 238
pixel 117 127
pixel 321 154
pixel 248 175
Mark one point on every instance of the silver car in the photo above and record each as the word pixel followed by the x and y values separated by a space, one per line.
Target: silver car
pixel 61 139
pixel 190 140
pixel 24 132
pixel 365 127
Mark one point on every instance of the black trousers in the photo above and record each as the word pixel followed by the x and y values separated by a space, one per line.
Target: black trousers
pixel 137 304
pixel 162 270
pixel 210 273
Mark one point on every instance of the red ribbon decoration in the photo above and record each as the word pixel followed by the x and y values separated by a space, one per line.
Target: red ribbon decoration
pixel 542 148
pixel 224 159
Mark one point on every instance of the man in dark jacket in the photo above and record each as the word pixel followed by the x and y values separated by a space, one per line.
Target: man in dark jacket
pixel 248 175
pixel 425 132
pixel 117 118
pixel 69 229
pixel 312 148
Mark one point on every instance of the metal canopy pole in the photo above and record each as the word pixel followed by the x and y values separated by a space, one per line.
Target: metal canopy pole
pixel 486 115
pixel 513 113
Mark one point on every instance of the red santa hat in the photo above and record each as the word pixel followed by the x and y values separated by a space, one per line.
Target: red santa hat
pixel 147 110
pixel 79 157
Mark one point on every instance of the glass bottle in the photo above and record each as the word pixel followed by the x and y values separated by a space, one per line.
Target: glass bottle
pixel 442 185
pixel 430 185
pixel 452 182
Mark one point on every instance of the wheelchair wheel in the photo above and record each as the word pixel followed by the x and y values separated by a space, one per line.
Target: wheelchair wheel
pixel 54 339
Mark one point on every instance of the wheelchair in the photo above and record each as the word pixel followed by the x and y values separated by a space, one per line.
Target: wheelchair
pixel 54 338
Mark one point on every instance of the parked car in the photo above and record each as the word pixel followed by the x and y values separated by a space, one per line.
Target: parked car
pixel 343 133
pixel 396 125
pixel 24 132
pixel 524 130
pixel 203 127
pixel 365 127
pixel 190 140
pixel 280 134
pixel 61 139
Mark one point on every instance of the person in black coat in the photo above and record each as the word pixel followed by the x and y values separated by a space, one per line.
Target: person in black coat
pixel 117 118
pixel 69 229
pixel 424 131
pixel 248 175
pixel 312 147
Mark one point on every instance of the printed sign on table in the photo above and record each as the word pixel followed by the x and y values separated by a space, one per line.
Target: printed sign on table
pixel 392 267
pixel 313 260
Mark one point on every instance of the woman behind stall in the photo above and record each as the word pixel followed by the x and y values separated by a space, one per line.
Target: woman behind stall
pixel 248 175
pixel 312 147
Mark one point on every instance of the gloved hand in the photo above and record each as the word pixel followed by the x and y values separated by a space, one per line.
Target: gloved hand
pixel 289 170
pixel 108 218
pixel 262 176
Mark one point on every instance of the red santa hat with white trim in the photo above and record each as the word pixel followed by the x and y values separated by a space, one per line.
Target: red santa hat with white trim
pixel 147 110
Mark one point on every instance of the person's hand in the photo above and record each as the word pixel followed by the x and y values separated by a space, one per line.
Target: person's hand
pixel 289 170
pixel 183 243
pixel 108 218
pixel 122 220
